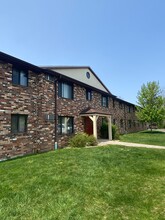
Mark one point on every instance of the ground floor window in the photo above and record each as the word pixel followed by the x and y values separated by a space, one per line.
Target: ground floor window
pixel 65 125
pixel 18 123
pixel 134 123
pixel 121 123
pixel 129 124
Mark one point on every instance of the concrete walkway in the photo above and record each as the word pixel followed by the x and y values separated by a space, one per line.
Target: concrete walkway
pixel 116 142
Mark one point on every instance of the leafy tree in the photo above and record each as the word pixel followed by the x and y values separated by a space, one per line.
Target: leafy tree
pixel 151 104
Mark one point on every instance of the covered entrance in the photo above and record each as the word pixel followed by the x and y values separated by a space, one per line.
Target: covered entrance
pixel 90 121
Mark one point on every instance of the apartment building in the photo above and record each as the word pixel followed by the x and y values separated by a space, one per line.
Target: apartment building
pixel 41 108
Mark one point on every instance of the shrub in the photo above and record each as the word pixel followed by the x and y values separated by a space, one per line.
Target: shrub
pixel 115 132
pixel 104 131
pixel 82 140
pixel 91 141
pixel 79 140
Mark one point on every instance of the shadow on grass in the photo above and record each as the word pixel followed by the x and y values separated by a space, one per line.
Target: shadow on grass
pixel 153 132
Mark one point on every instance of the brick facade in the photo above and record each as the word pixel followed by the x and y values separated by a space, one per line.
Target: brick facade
pixel 33 101
pixel 38 100
pixel 119 109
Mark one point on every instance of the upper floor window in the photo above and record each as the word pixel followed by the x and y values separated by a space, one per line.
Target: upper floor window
pixel 65 90
pixel 129 108
pixel 65 125
pixel 104 101
pixel 19 77
pixel 88 95
pixel 120 105
pixel 49 77
pixel 18 123
pixel 113 103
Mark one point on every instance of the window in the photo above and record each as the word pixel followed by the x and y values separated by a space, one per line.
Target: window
pixel 88 75
pixel 49 117
pixel 65 125
pixel 49 77
pixel 104 101
pixel 65 90
pixel 88 95
pixel 134 123
pixel 19 77
pixel 113 103
pixel 129 109
pixel 114 121
pixel 18 123
pixel 129 123
pixel 121 123
pixel 120 105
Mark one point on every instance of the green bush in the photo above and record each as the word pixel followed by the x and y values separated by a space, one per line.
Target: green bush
pixel 91 141
pixel 115 132
pixel 79 140
pixel 162 125
pixel 82 140
pixel 104 131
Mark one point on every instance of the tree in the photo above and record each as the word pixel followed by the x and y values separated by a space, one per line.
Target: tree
pixel 151 104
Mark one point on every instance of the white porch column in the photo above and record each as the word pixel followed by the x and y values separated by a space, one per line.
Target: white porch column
pixel 94 119
pixel 109 128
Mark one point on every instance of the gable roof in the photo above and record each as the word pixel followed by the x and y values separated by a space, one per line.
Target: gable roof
pixel 93 111
pixel 51 70
pixel 78 73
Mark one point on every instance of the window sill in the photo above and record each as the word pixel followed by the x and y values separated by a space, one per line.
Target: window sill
pixel 65 98
pixel 65 134
pixel 19 133
pixel 21 86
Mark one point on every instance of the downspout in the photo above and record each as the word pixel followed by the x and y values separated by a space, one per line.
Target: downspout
pixel 55 115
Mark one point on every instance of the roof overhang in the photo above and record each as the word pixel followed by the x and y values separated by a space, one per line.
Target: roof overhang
pixel 92 111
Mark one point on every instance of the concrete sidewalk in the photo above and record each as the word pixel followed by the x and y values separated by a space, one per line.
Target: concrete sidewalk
pixel 116 142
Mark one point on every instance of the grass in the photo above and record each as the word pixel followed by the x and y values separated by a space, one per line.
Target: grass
pixel 145 137
pixel 94 183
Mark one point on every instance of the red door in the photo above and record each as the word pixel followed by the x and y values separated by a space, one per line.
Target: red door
pixel 88 126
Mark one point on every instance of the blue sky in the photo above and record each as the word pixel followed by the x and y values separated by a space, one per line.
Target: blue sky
pixel 123 41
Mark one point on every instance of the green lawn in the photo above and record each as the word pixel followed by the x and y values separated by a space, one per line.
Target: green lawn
pixel 90 183
pixel 145 137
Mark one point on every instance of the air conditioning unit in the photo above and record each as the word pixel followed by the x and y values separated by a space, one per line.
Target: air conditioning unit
pixel 49 117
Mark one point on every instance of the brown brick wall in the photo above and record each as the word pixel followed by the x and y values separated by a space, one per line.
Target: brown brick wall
pixel 37 100
pixel 67 107
pixel 34 101
pixel 122 112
